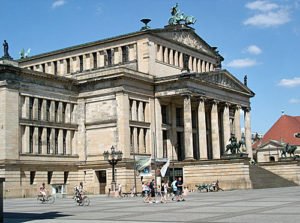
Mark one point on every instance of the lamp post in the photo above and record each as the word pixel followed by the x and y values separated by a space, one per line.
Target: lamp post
pixel 113 158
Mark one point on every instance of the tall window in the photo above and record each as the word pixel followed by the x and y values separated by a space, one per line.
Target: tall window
pixel 48 104
pixel 64 142
pixel 43 68
pixel 56 142
pixel 56 111
pixel 66 175
pixel 109 57
pixel 40 140
pixel 32 177
pixel 63 112
pixel 164 114
pixel 95 60
pixel 165 138
pixel 68 66
pixel 49 176
pixel 55 67
pixel 30 107
pixel 48 141
pixel 81 63
pixel 179 117
pixel 40 101
pixel 31 139
pixel 125 54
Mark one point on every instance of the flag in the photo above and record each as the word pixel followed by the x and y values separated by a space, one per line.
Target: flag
pixel 143 165
pixel 163 170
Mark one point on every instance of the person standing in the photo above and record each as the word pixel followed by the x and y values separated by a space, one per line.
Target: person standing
pixel 152 191
pixel 174 188
pixel 179 185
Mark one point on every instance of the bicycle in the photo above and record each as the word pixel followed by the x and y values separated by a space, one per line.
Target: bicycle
pixel 81 200
pixel 45 199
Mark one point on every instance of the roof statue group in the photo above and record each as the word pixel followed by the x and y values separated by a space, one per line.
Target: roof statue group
pixel 179 17
pixel 5 51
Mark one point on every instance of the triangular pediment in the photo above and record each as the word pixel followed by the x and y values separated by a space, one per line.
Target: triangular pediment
pixel 188 37
pixel 224 79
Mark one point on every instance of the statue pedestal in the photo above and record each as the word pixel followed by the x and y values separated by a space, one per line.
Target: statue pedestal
pixel 234 156
pixel 288 159
pixel 6 61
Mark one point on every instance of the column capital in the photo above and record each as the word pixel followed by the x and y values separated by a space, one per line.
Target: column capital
pixel 237 107
pixel 247 109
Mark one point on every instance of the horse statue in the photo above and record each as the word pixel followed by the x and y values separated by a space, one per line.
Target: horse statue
pixel 234 146
pixel 288 149
pixel 179 17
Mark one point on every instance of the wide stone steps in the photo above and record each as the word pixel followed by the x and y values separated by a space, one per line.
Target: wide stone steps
pixel 262 178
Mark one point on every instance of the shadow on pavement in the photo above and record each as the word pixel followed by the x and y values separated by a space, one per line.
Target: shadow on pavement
pixel 18 217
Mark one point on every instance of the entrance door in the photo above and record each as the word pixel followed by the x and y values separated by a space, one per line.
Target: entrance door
pixel 101 175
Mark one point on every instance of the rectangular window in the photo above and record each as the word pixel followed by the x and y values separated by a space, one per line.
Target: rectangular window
pixel 66 175
pixel 131 139
pixel 64 142
pixel 125 54
pixel 40 101
pixel 49 175
pixel 56 142
pixel 48 141
pixel 109 57
pixel 164 114
pixel 40 140
pixel 30 107
pixel 31 129
pixel 165 138
pixel 68 66
pixel 43 68
pixel 48 104
pixel 194 119
pixel 95 60
pixel 81 63
pixel 63 112
pixel 55 67
pixel 32 177
pixel 56 111
pixel 179 117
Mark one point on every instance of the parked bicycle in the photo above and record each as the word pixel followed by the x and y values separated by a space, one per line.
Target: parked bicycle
pixel 45 199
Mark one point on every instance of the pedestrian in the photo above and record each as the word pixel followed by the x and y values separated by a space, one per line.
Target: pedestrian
pixel 174 188
pixel 179 191
pixel 152 191
pixel 120 190
pixel 145 192
pixel 164 192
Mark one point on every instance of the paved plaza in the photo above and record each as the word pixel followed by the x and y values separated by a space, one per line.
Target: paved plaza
pixel 264 205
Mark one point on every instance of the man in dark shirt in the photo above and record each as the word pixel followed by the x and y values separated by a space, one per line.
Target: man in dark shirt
pixel 179 189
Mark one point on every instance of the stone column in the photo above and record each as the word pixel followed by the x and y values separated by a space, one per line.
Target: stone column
pixel 173 132
pixel 59 112
pixel 159 54
pixel 52 111
pixel 68 143
pixel 141 141
pixel 195 65
pixel 35 109
pixel 68 113
pixel 73 113
pixel 176 58
pixel 248 132
pixel 203 66
pixel 25 139
pixel 60 141
pixel 52 141
pixel 191 63
pixel 35 140
pixel 199 66
pixel 180 62
pixel 135 140
pixel 141 111
pixel 25 107
pixel 44 110
pixel 133 110
pixel 188 130
pixel 171 58
pixel 44 141
pixel 202 130
pixel 158 146
pixel 166 55
pixel 237 123
pixel 226 125
pixel 215 131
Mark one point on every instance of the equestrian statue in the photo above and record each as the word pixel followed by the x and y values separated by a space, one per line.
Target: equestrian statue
pixel 234 146
pixel 290 149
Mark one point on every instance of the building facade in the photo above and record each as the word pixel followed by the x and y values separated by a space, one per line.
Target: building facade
pixel 157 92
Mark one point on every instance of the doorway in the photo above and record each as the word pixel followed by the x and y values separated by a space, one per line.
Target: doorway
pixel 101 176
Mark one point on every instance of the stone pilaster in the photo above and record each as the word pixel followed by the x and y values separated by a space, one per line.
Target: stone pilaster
pixel 135 140
pixel 25 139
pixel 226 125
pixel 176 57
pixel 248 141
pixel 141 111
pixel 44 110
pixel 134 110
pixel 215 131
pixel 25 107
pixel 59 112
pixel 158 140
pixel 237 123
pixel 52 141
pixel 68 143
pixel 141 141
pixel 188 130
pixel 68 113
pixel 202 130
pixel 35 140
pixel 123 123
pixel 171 58
pixel 52 111
pixel 35 109
pixel 60 141
pixel 44 141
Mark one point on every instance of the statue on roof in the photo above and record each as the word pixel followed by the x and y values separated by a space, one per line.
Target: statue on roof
pixel 179 17
pixel 5 51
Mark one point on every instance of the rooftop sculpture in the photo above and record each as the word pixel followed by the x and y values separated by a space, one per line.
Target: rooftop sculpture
pixel 179 17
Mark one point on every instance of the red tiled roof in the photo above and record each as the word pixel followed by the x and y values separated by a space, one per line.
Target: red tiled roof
pixel 283 130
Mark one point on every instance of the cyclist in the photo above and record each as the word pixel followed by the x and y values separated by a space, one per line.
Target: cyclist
pixel 43 191
pixel 79 191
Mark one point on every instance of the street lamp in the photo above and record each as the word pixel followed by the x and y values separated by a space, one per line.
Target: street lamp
pixel 113 158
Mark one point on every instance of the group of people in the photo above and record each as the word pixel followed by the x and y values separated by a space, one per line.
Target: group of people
pixel 150 191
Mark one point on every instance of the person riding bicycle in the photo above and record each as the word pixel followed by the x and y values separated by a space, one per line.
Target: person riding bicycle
pixel 79 191
pixel 43 191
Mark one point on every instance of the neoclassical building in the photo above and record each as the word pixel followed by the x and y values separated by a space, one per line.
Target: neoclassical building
pixel 157 92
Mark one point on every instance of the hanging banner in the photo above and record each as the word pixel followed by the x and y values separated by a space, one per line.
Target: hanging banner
pixel 164 169
pixel 143 165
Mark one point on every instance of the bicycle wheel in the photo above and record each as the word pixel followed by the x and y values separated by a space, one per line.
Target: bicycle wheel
pixel 39 199
pixel 85 201
pixel 51 199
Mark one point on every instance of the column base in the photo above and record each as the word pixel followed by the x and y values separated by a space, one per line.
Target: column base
pixel 189 159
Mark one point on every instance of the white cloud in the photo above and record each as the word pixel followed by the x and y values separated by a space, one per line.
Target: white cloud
pixel 241 63
pixel 267 14
pixel 294 101
pixel 253 49
pixel 261 6
pixel 290 82
pixel 58 3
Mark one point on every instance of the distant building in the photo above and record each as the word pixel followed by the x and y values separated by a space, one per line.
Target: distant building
pixel 269 147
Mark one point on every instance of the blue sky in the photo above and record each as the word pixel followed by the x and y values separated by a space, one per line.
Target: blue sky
pixel 257 38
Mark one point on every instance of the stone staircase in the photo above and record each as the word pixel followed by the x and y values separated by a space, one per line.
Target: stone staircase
pixel 262 178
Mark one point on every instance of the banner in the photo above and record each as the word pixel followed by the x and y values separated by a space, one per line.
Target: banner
pixel 164 169
pixel 143 165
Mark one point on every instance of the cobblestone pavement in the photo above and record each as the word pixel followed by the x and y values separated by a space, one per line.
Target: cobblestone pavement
pixel 264 205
